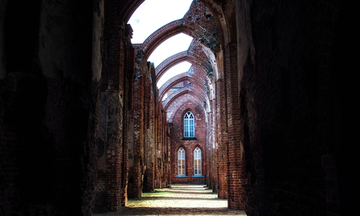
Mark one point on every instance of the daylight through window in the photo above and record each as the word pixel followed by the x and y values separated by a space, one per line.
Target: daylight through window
pixel 189 125
pixel 181 162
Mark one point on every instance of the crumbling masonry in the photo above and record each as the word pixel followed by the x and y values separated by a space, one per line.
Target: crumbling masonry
pixel 83 126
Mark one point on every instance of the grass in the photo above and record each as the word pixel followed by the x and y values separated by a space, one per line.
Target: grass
pixel 135 200
pixel 150 194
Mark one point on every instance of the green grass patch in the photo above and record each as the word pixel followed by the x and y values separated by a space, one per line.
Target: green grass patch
pixel 135 200
pixel 150 194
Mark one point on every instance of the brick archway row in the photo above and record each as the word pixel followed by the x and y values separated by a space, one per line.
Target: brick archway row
pixel 195 55
pixel 180 78
pixel 184 106
pixel 193 24
pixel 172 108
pixel 165 32
pixel 178 58
pixel 128 7
pixel 193 89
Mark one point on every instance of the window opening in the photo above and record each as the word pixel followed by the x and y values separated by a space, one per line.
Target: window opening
pixel 181 161
pixel 197 161
pixel 189 130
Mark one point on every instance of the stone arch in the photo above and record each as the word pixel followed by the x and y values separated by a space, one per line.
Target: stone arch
pixel 173 108
pixel 129 7
pixel 183 91
pixel 171 29
pixel 201 149
pixel 168 64
pixel 177 79
pixel 193 89
pixel 197 103
pixel 201 64
pixel 123 10
pixel 193 24
pixel 208 31
pixel 198 146
pixel 182 146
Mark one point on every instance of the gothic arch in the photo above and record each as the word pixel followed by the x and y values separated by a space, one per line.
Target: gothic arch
pixel 183 91
pixel 177 79
pixel 202 64
pixel 184 110
pixel 165 32
pixel 167 65
pixel 173 108
pixel 200 147
pixel 129 7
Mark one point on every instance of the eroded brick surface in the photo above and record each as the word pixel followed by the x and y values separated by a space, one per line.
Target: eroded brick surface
pixel 83 127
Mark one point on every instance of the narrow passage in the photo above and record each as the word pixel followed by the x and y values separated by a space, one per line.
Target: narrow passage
pixel 180 199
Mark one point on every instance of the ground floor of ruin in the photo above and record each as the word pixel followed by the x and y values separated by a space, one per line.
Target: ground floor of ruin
pixel 179 199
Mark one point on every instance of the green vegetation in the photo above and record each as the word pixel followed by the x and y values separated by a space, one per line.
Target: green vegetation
pixel 156 193
pixel 135 200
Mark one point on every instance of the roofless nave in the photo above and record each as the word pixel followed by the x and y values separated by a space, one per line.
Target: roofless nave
pixel 84 127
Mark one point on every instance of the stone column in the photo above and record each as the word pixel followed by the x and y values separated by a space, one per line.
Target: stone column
pixel 234 128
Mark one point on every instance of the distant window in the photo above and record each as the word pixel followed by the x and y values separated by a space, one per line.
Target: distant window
pixel 189 125
pixel 197 161
pixel 181 161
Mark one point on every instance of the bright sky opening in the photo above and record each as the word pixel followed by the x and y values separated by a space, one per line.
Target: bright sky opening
pixel 173 71
pixel 171 46
pixel 152 15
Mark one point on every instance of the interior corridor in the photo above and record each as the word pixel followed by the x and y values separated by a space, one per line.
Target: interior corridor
pixel 264 116
pixel 179 199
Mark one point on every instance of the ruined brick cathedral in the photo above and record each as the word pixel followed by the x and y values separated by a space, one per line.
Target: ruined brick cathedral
pixel 263 116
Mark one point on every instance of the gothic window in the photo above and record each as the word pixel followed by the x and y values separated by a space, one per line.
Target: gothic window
pixel 189 130
pixel 181 161
pixel 197 161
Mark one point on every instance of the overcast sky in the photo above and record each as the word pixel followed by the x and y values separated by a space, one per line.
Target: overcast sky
pixel 150 16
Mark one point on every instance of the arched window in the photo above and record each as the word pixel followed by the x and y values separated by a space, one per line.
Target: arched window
pixel 181 161
pixel 197 161
pixel 189 125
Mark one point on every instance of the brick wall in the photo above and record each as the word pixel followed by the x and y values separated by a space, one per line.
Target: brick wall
pixel 285 107
pixel 74 117
pixel 177 135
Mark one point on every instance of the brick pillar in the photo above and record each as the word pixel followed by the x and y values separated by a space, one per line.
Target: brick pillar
pixel 150 147
pixel 112 81
pixel 222 156
pixel 129 63
pixel 158 148
pixel 214 178
pixel 208 149
pixel 138 108
pixel 164 152
pixel 235 198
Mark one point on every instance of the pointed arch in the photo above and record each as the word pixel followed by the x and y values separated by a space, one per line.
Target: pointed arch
pixel 197 161
pixel 189 125
pixel 175 80
pixel 181 92
pixel 162 34
pixel 203 64
pixel 181 168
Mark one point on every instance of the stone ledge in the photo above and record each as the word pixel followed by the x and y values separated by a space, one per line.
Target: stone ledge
pixel 182 175
pixel 189 138
pixel 197 175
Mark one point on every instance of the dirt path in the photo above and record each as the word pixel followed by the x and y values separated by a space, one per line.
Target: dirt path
pixel 178 200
